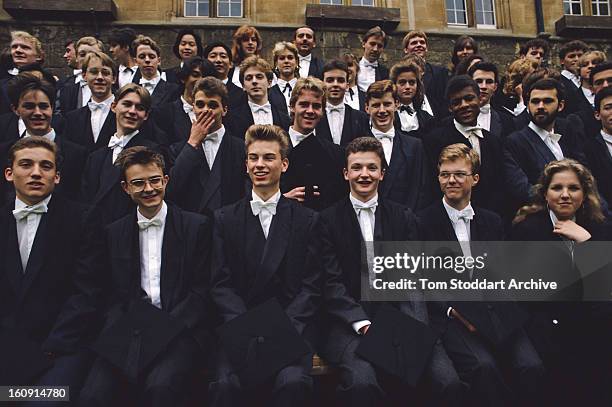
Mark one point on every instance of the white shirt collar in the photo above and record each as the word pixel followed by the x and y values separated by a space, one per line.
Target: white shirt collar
pixel 371 201
pixel 161 215
pixel 123 68
pixel 153 81
pixel 282 83
pixel 554 219
pixel 305 58
pixel 297 137
pixel 329 106
pixel 49 136
pixel 363 62
pixel 19 204
pixel 108 101
pixel 544 134
pixel 465 130
pixel 126 137
pixel 607 137
pixel 75 72
pixel 220 132
pixel 571 76
pixel 379 133
pixel 453 213
pixel 274 198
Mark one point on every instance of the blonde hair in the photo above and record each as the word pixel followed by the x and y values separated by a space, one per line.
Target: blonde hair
pixel 307 84
pixel 31 39
pixel 517 71
pixel 255 62
pixel 145 96
pixel 460 151
pixel 286 46
pixel 411 35
pixel 91 41
pixel 105 59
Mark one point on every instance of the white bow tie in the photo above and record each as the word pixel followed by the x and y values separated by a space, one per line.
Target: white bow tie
pixel 82 83
pixel 212 137
pixel 93 106
pixel 300 137
pixel 358 205
pixel 258 206
pixel 261 108
pixel 485 109
pixel 380 135
pixel 148 82
pixel 554 137
pixel 117 142
pixel 465 214
pixel 370 64
pixel 187 108
pixel 306 58
pixel 338 109
pixel 146 223
pixel 21 213
pixel 14 71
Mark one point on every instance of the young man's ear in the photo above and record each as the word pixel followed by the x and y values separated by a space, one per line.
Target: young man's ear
pixel 124 186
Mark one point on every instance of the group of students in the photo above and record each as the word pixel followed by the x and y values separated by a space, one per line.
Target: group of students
pixel 136 251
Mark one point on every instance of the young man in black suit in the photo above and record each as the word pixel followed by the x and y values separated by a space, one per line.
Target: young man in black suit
pixel 93 125
pixel 494 121
pixel 410 117
pixel 49 273
pixel 454 219
pixel 315 175
pixel 265 246
pixel 545 139
pixel 463 96
pixel 148 58
pixel 569 55
pixel 598 147
pixel 435 77
pixel 408 176
pixel 256 76
pixel 165 251
pixel 305 40
pixel 100 184
pixel 365 217
pixel 212 156
pixel 175 118
pixel 341 123
pixel 32 100
pixel 285 56
pixel 600 78
pixel 371 68
pixel 120 47
pixel 220 55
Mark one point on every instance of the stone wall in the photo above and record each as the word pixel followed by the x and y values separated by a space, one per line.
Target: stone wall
pixel 500 49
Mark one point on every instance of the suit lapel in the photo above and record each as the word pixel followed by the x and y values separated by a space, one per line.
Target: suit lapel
pixel 347 126
pixel 107 130
pixel 172 259
pixel 213 180
pixel 323 130
pixel 13 269
pixel 109 174
pixel 182 122
pixel 496 126
pixel 538 145
pixel 399 157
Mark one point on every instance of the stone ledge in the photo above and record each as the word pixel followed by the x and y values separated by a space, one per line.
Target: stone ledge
pixel 584 26
pixel 322 15
pixel 61 9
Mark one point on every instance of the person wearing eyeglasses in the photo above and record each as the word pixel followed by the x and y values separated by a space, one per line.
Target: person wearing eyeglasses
pixel 212 156
pixel 493 328
pixel 170 249
pixel 462 126
pixel 93 125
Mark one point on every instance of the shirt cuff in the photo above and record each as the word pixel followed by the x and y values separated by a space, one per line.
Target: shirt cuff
pixel 360 324
pixel 448 312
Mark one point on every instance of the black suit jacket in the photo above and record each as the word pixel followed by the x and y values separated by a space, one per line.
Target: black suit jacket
pixel 277 99
pixel 435 79
pixel 164 92
pixel 241 118
pixel 356 124
pixel 248 269
pixel 68 98
pixel 408 178
pixel 101 183
pixel 78 129
pixel 585 122
pixel 502 124
pixel 172 120
pixel 9 126
pixel 426 123
pixel 435 225
pixel 55 301
pixel 184 274
pixel 600 164
pixel 316 67
pixel 237 96
pixel 5 103
pixel 489 192
pixel 172 75
pixel 316 161
pixel 572 98
pixel 195 187
pixel 341 245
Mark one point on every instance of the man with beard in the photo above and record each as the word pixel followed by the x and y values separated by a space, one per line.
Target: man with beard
pixel 534 146
pixel 305 41
pixel 463 95
pixel 370 68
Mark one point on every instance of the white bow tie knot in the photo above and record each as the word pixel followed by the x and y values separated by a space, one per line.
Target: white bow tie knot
pixel 464 214
pixel 554 137
pixel 358 205
pixel 211 137
pixel 147 223
pixel 369 64
pixel 485 109
pixel 258 206
pixel 117 142
pixel 21 213
pixel 93 106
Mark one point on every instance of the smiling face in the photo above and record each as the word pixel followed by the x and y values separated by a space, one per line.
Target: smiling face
pixel 100 79
pixel 248 46
pixel 23 52
pixel 146 185
pixel 286 64
pixel 130 112
pixel 304 40
pixel 417 45
pixel 456 181
pixel 219 57
pixel 265 164
pixel 307 111
pixel 33 174
pixel 36 111
pixel 465 106
pixel 564 196
pixel 364 172
pixel 570 61
pixel 381 111
pixel 148 61
pixel 188 47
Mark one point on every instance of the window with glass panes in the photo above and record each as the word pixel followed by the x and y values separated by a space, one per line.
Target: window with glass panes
pixel 456 12
pixel 600 7
pixel 572 7
pixel 213 8
pixel 485 12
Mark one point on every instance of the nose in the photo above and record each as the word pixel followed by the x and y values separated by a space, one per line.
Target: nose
pixel 540 105
pixel 148 187
pixel 36 170
pixel 565 193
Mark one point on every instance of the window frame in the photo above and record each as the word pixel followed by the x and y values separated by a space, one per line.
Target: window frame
pixel 598 3
pixel 348 3
pixel 455 11
pixel 213 9
pixel 493 10
pixel 470 15
pixel 570 3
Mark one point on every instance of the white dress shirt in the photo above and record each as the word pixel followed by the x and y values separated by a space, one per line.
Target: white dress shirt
pixel 472 133
pixel 551 139
pixel 366 215
pixel 608 139
pixel 21 127
pixel 262 114
pixel 99 112
pixel 117 144
pixel 386 140
pixel 569 75
pixel 286 88
pixel 304 65
pixel 484 118
pixel 335 118
pixel 150 84
pixel 126 75
pixel 151 238
pixel 409 121
pixel 351 97
pixel 367 73
pixel 589 95
pixel 236 77
pixel 85 91
pixel 27 227
pixel 188 109
pixel 13 71
pixel 265 210
pixel 460 220
pixel 297 137
pixel 211 145
pixel 426 106
pixel 49 136
pixel 520 107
